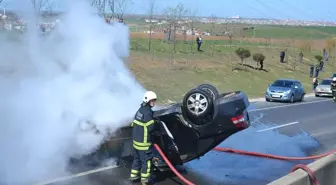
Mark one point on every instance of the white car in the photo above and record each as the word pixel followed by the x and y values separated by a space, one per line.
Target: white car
pixel 323 88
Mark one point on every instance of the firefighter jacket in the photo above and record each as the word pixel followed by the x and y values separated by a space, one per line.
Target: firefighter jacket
pixel 333 86
pixel 143 128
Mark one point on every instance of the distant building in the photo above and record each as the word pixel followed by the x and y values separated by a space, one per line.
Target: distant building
pixel 151 20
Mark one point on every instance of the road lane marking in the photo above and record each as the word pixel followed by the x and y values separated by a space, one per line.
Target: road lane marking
pixel 257 118
pixel 290 105
pixel 77 175
pixel 280 126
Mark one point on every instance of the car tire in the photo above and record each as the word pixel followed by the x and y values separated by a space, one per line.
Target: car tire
pixel 210 89
pixel 317 95
pixel 192 101
pixel 268 100
pixel 291 99
pixel 302 98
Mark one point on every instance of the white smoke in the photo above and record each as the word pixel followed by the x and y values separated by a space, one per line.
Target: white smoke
pixel 48 84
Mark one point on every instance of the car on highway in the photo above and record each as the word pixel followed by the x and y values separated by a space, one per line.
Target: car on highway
pixel 189 129
pixel 286 90
pixel 323 88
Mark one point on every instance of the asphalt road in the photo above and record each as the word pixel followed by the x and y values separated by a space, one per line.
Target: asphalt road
pixel 315 116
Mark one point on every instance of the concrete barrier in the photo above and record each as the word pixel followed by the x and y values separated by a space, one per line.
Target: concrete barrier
pixel 324 169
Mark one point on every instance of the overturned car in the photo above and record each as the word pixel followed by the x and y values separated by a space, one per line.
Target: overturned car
pixel 189 129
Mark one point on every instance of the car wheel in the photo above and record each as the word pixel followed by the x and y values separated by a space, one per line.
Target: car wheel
pixel 291 99
pixel 317 95
pixel 197 103
pixel 267 99
pixel 210 89
pixel 302 98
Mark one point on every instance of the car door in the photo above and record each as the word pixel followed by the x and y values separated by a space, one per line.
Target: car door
pixel 166 142
pixel 300 90
pixel 296 91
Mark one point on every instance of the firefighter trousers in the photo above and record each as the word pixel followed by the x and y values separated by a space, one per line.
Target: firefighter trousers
pixel 334 95
pixel 142 164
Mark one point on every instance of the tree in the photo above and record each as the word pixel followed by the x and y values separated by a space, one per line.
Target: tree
pixel 151 10
pixel 243 54
pixel 174 16
pixel 118 8
pixel 212 31
pixel 41 5
pixel 100 5
pixel 213 24
pixel 259 58
pixel 192 26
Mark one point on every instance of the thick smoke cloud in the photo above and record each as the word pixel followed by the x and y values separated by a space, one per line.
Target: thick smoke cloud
pixel 48 84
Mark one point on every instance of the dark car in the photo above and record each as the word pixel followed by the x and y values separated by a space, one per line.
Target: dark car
pixel 285 90
pixel 189 129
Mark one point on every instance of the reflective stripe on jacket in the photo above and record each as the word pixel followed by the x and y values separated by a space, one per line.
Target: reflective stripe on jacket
pixel 333 86
pixel 143 127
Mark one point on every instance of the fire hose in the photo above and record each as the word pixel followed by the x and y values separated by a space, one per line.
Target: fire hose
pixel 255 154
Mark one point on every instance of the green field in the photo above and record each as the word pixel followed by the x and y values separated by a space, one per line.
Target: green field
pixel 172 74
pixel 274 31
pixel 260 31
pixel 292 32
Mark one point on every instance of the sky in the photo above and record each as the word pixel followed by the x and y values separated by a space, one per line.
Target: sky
pixel 322 10
pixel 278 9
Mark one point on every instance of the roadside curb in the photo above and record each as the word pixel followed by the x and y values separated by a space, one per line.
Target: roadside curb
pixel 263 99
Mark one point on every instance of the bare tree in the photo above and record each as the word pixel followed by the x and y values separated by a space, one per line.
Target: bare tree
pixel 174 17
pixel 41 5
pixel 118 8
pixel 151 11
pixel 229 31
pixel 100 5
pixel 192 20
pixel 213 27
pixel 213 24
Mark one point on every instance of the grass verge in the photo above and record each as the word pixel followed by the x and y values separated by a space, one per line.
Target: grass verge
pixel 172 74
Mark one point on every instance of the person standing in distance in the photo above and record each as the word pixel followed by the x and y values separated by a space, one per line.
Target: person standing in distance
pixel 143 130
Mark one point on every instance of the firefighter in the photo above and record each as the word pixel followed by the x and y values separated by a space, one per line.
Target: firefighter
pixel 143 130
pixel 333 88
